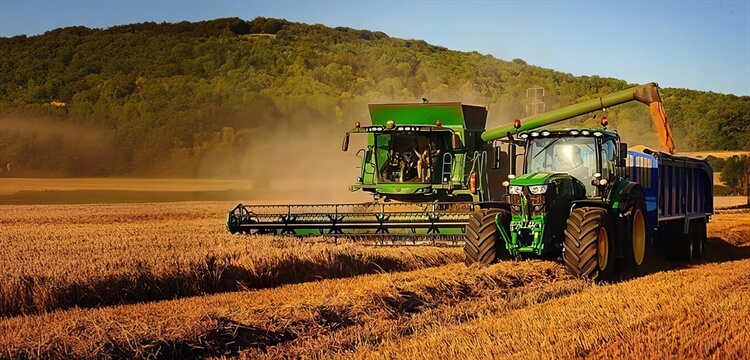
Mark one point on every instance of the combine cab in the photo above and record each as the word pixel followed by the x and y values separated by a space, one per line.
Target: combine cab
pixel 424 152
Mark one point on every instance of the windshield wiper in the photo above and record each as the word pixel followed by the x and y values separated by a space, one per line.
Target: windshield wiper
pixel 545 147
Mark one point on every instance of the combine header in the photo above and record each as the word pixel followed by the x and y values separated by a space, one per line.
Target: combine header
pixel 382 222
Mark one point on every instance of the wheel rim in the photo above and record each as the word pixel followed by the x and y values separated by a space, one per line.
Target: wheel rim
pixel 639 237
pixel 602 247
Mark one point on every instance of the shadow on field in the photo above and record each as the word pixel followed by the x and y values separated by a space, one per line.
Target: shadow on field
pixel 717 250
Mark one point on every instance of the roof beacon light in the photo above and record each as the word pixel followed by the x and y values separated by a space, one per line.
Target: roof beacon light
pixel 517 124
pixel 604 121
pixel 439 123
pixel 357 124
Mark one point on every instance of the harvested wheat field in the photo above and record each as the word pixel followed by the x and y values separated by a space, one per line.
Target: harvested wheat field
pixel 167 281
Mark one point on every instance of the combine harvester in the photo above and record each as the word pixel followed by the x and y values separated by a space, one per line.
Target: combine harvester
pixel 585 197
pixel 424 163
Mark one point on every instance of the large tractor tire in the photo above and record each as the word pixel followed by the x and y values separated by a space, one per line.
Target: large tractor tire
pixel 588 248
pixel 635 233
pixel 482 239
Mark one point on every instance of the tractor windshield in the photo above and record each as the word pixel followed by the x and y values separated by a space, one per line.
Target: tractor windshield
pixel 410 157
pixel 572 155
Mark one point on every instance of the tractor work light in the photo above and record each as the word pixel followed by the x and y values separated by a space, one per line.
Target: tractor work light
pixel 534 133
pixel 524 135
pixel 538 189
pixel 585 132
pixel 511 176
pixel 505 183
pixel 598 133
pixel 574 132
pixel 545 133
pixel 390 124
pixel 515 190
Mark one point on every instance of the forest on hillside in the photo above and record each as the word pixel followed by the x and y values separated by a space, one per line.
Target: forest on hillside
pixel 184 99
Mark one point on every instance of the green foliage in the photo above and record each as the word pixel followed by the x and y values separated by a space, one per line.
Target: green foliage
pixel 733 173
pixel 161 96
pixel 717 163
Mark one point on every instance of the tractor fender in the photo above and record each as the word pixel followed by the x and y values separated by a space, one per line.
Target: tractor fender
pixel 620 194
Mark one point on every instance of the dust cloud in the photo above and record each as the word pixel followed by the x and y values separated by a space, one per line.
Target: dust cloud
pixel 48 147
pixel 300 164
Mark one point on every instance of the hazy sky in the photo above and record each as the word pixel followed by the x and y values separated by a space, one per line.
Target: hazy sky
pixel 702 45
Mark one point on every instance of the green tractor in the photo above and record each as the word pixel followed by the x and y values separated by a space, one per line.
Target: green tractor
pixel 585 198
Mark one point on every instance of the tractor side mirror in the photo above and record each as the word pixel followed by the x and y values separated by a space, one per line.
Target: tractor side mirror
pixel 622 154
pixel 345 144
pixel 456 142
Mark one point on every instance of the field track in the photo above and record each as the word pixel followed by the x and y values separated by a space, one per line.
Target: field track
pixel 415 302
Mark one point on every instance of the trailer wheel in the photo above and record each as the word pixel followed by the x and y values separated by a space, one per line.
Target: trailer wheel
pixel 698 236
pixel 482 237
pixel 588 249
pixel 636 234
pixel 695 240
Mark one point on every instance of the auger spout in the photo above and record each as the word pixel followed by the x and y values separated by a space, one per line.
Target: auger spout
pixel 647 94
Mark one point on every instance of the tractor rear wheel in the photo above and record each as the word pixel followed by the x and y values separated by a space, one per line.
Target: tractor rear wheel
pixel 482 240
pixel 588 249
pixel 636 234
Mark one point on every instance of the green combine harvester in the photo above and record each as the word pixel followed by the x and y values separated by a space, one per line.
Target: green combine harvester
pixel 424 163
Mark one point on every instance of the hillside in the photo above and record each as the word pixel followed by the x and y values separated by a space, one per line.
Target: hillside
pixel 216 98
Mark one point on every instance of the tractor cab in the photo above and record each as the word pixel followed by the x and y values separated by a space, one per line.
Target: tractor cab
pixel 589 156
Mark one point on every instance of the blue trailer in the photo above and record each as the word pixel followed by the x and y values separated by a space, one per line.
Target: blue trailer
pixel 679 200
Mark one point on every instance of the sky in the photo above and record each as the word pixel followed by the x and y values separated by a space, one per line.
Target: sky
pixel 701 45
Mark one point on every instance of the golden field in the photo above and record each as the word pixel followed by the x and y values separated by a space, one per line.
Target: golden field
pixel 165 280
pixel 61 256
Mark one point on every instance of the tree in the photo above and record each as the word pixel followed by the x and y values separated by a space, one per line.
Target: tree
pixel 733 173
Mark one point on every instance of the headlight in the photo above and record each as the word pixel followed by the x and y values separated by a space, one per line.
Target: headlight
pixel 515 190
pixel 538 189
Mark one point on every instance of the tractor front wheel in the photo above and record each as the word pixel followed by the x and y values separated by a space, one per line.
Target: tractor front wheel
pixel 482 236
pixel 588 248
